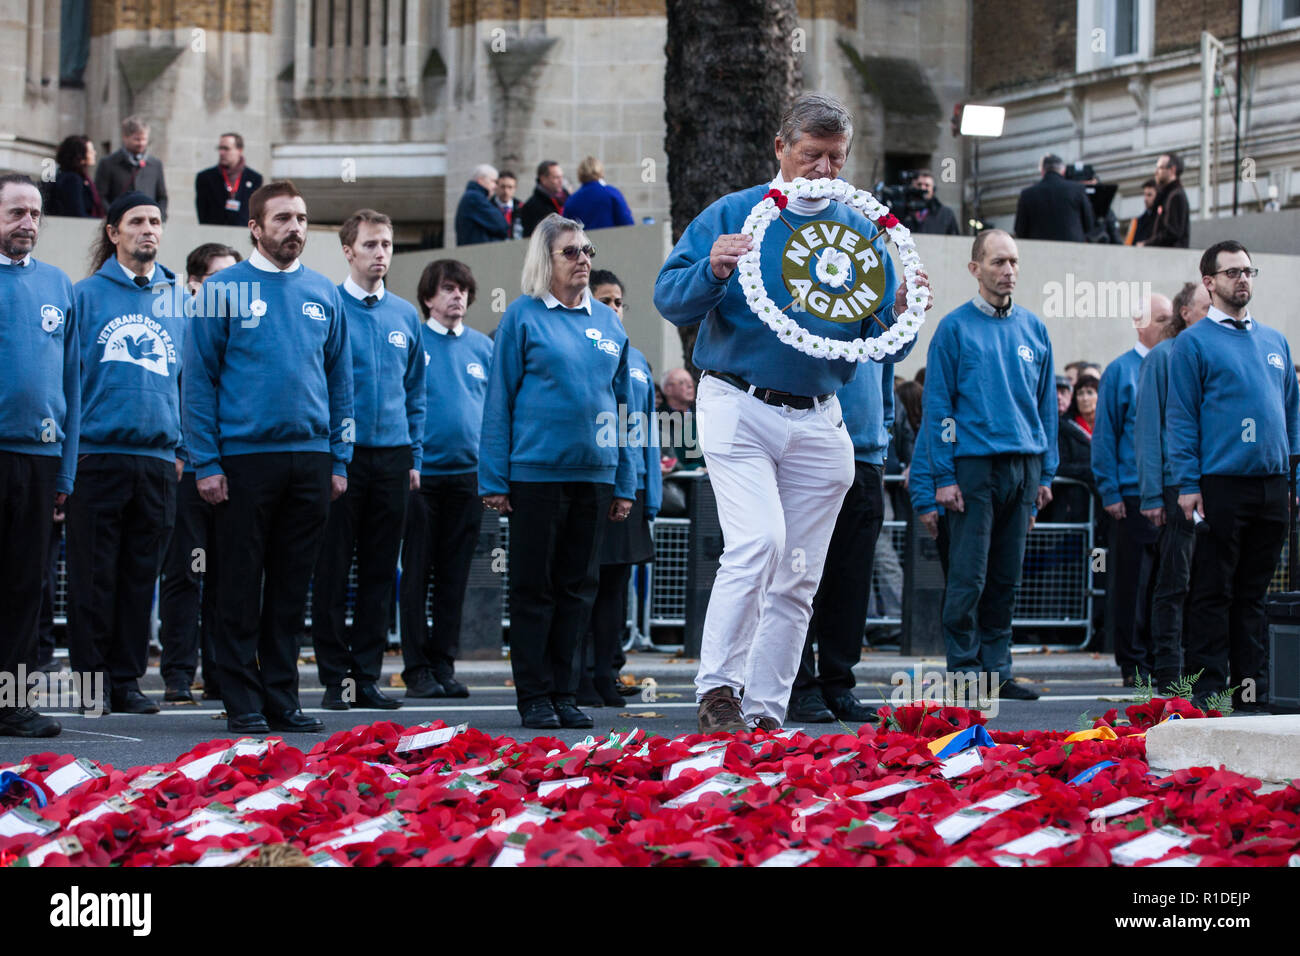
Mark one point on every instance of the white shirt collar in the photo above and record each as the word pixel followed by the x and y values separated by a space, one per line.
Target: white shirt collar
pixel 358 293
pixel 24 261
pixel 1218 315
pixel 552 302
pixel 259 261
pixel 800 207
pixel 441 329
pixel 130 276
pixel 1141 350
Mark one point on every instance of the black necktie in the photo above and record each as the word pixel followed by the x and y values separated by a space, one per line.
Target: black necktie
pixel 141 281
pixel 1003 311
pixel 1238 323
pixel 370 300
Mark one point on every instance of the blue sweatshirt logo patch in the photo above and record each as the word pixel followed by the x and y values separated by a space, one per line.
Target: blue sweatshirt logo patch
pixel 1026 353
pixel 593 334
pixel 1275 360
pixel 139 341
pixel 427 358
pixel 639 375
pixel 397 338
pixel 51 318
pixel 314 310
pixel 474 369
pixel 608 346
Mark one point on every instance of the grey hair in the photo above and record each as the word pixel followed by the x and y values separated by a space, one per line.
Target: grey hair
pixel 536 278
pixel 817 115
pixel 485 169
pixel 134 124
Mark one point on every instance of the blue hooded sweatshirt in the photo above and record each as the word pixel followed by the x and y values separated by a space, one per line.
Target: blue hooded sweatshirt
pixel 387 372
pixel 731 337
pixel 270 371
pixel 131 350
pixel 40 390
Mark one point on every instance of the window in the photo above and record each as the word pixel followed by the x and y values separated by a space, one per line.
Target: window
pixel 1113 32
pixel 1290 13
pixel 1125 28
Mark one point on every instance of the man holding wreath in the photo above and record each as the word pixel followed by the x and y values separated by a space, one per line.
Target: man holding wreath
pixel 779 457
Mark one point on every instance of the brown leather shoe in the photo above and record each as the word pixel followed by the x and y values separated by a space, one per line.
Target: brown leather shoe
pixel 720 712
pixel 768 724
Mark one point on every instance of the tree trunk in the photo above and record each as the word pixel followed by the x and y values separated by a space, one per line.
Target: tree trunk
pixel 731 72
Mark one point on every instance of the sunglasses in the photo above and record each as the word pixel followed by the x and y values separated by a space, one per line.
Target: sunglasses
pixel 572 252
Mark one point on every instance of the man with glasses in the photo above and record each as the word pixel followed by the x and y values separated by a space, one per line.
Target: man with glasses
pixel 1172 226
pixel 1233 429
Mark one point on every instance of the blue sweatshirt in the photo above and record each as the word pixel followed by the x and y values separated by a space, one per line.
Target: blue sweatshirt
pixel 388 396
pixel 1114 462
pixel 867 403
pixel 1233 407
pixel 552 410
pixel 1150 441
pixel 130 363
pixel 920 477
pixel 598 205
pixel 731 338
pixel 990 389
pixel 40 390
pixel 455 379
pixel 277 378
pixel 649 476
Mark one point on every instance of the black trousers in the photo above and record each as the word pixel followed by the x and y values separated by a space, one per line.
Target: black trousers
pixel 840 607
pixel 602 644
pixel 1173 576
pixel 442 526
pixel 187 593
pixel 367 518
pixel 1134 554
pixel 119 519
pixel 49 589
pixel 268 536
pixel 26 505
pixel 555 531
pixel 1231 570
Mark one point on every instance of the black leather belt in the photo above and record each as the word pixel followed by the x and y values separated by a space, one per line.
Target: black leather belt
pixel 770 396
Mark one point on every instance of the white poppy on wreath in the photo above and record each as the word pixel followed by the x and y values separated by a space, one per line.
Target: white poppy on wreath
pixel 833 272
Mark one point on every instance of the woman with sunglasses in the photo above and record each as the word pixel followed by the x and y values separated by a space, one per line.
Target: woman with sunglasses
pixel 552 459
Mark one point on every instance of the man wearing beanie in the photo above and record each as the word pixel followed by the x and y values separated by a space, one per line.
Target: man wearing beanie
pixel 122 513
pixel 40 409
pixel 269 426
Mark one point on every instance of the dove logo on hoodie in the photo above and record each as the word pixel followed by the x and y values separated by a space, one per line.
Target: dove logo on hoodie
pixel 139 340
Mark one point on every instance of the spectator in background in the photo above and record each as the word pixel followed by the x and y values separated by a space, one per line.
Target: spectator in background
pixel 477 219
pixel 678 447
pixel 131 168
pixel 74 192
pixel 1159 494
pixel 625 543
pixel 559 367
pixel 1132 571
pixel 221 192
pixel 919 377
pixel 1139 227
pixel 1074 445
pixel 1173 216
pixel 186 597
pixel 1064 393
pixel 549 195
pixel 934 218
pixel 596 204
pixel 511 208
pixel 444 515
pixel 1106 229
pixel 1054 208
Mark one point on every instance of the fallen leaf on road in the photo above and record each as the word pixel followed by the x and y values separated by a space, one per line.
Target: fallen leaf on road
pixel 648 714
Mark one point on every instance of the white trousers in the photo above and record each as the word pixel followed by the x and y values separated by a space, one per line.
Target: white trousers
pixel 779 475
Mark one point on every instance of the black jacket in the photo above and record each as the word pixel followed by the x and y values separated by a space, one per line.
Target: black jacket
pixel 539 206
pixel 1172 215
pixel 1054 208
pixel 938 220
pixel 1070 502
pixel 210 197
pixel 478 219
pixel 73 195
pixel 116 175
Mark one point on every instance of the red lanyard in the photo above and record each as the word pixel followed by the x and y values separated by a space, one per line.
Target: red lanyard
pixel 230 189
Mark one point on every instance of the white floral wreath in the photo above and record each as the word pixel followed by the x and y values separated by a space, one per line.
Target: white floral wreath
pixel 832 269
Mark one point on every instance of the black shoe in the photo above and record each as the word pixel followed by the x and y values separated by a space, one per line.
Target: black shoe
pixel 451 687
pixel 333 698
pixel 573 718
pixel 607 689
pixel 369 695
pixel 247 724
pixel 810 708
pixel 25 722
pixel 1010 690
pixel 541 716
pixel 297 722
pixel 131 701
pixel 849 709
pixel 178 695
pixel 423 684
pixel 211 694
pixel 587 695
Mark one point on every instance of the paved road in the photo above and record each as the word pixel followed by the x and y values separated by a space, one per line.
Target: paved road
pixel 124 740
